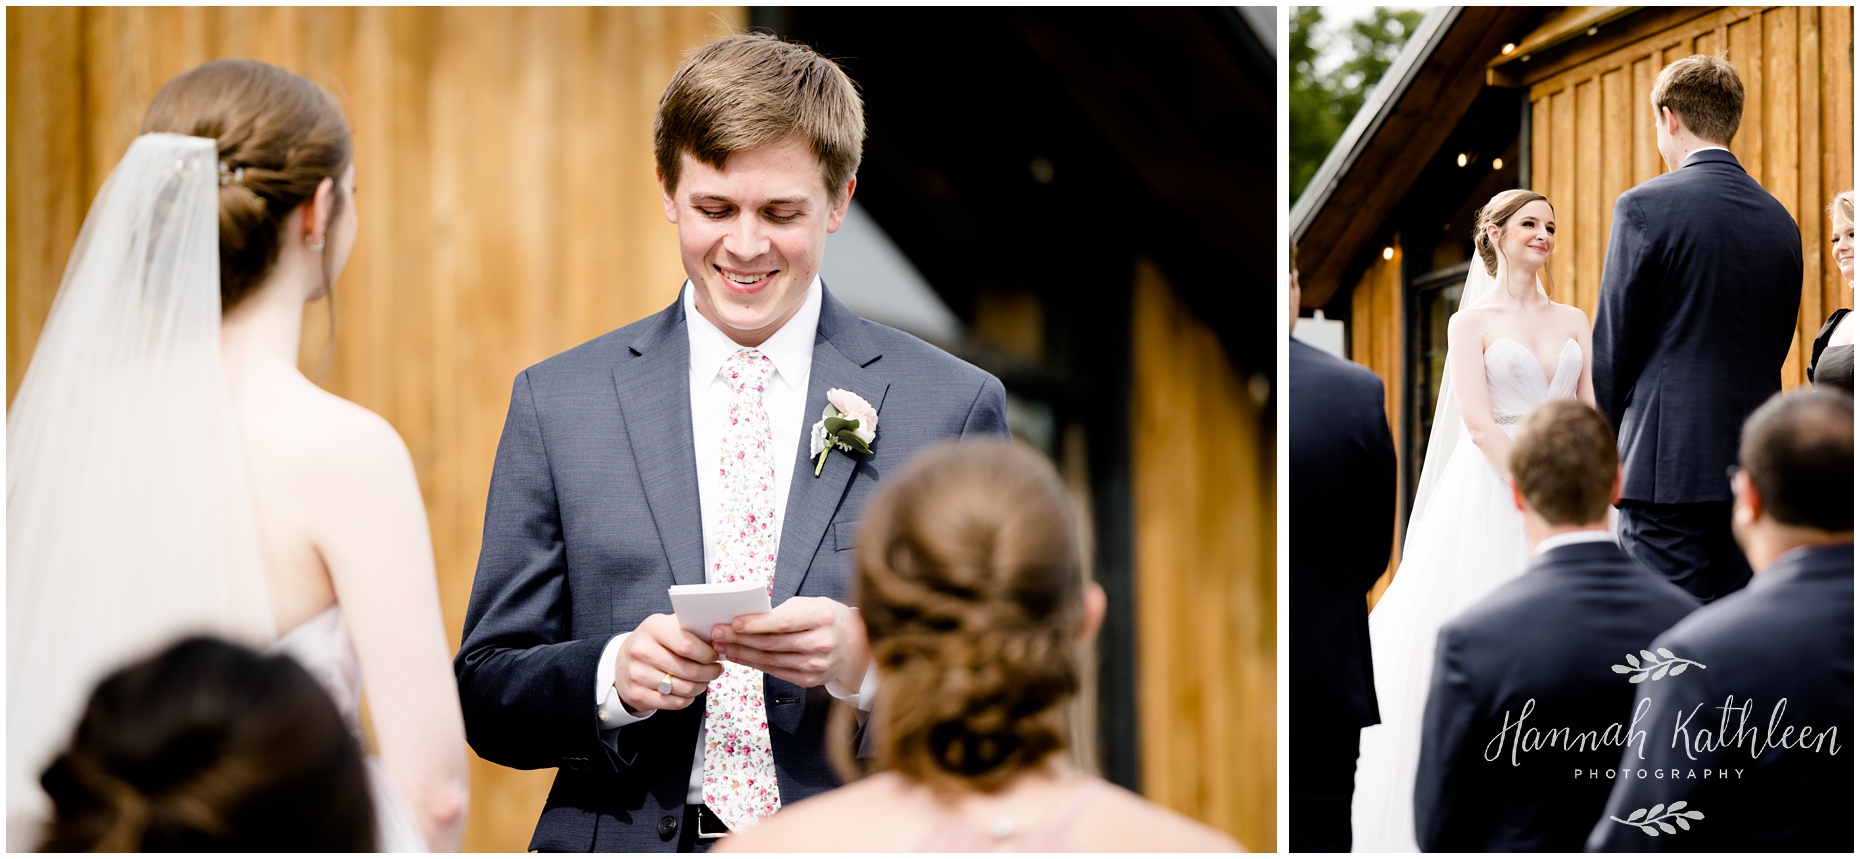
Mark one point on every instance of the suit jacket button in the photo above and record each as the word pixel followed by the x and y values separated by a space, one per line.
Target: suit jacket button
pixel 668 827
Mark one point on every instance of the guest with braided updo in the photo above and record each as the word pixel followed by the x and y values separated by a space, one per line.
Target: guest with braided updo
pixel 976 607
pixel 210 746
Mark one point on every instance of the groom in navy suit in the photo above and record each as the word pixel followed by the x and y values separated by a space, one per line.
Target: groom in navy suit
pixel 1538 651
pixel 1699 294
pixel 609 485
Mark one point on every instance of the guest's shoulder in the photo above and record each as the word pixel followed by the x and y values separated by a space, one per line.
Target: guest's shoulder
pixel 1120 821
pixel 864 815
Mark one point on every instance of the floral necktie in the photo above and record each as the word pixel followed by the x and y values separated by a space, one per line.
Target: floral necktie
pixel 739 767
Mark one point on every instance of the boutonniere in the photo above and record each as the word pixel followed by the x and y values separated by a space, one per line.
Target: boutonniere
pixel 848 423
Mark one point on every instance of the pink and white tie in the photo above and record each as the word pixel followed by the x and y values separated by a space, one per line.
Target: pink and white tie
pixel 739 767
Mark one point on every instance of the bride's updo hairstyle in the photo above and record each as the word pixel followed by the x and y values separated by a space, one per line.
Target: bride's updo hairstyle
pixel 971 591
pixel 279 137
pixel 209 746
pixel 1498 211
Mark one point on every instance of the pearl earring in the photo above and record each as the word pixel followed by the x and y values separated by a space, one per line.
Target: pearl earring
pixel 315 243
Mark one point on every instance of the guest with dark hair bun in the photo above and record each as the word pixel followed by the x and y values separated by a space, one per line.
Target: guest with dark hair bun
pixel 976 606
pixel 209 746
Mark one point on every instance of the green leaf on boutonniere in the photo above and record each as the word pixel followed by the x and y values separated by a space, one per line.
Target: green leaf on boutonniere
pixel 855 442
pixel 830 412
pixel 836 424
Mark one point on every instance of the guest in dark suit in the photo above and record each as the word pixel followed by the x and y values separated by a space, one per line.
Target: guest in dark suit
pixel 1342 512
pixel 1831 361
pixel 1786 638
pixel 676 450
pixel 1539 650
pixel 1699 294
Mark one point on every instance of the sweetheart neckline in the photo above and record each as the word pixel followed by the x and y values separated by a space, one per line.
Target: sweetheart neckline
pixel 1538 361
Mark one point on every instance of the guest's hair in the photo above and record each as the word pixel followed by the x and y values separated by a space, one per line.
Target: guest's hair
pixel 750 90
pixel 279 133
pixel 1498 211
pixel 1798 450
pixel 1841 211
pixel 1706 94
pixel 970 585
pixel 1563 461
pixel 209 747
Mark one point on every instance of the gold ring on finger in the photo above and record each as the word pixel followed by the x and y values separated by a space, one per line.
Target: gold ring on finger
pixel 665 684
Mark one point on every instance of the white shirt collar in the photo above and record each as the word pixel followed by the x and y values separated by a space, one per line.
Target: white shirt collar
pixel 790 348
pixel 1570 538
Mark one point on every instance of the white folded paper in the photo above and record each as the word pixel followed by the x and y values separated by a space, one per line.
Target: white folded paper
pixel 700 607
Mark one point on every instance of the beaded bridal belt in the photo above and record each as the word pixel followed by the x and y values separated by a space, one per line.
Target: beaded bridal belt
pixel 1507 420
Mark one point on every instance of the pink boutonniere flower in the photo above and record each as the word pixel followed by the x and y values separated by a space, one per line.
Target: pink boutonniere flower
pixel 848 423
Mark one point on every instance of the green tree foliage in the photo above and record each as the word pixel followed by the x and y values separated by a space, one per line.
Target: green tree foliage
pixel 1324 102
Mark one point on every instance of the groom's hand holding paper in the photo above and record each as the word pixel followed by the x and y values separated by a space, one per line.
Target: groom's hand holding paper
pixel 807 641
pixel 660 654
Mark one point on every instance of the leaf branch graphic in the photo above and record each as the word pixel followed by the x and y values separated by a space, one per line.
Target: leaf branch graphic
pixel 1645 819
pixel 1655 667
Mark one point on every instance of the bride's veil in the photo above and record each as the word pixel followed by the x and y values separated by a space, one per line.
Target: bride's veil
pixel 1449 431
pixel 128 518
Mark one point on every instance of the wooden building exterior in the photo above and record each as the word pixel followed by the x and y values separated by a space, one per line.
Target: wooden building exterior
pixel 508 212
pixel 1556 100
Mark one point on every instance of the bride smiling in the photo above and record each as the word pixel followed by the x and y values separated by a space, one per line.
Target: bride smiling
pixel 1509 349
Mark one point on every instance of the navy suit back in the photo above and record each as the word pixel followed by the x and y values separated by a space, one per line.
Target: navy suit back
pixel 1342 511
pixel 1784 647
pixel 1699 294
pixel 1544 641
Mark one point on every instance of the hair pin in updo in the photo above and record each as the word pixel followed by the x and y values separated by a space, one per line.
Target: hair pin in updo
pixel 231 175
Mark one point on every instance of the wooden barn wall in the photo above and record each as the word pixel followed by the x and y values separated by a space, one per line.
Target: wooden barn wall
pixel 1592 138
pixel 507 203
pixel 1376 326
pixel 1203 509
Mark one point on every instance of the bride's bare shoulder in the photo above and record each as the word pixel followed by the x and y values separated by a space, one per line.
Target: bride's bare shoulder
pixel 1571 315
pixel 315 432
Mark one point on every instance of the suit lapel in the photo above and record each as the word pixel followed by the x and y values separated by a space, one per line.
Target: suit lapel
pixel 842 359
pixel 655 403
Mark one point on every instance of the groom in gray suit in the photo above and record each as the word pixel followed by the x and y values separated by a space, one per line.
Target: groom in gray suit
pixel 629 464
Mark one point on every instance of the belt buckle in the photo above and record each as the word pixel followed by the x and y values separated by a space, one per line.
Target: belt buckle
pixel 705 818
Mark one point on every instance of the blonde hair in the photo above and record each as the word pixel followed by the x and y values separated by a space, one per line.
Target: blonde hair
pixel 751 90
pixel 969 584
pixel 1841 211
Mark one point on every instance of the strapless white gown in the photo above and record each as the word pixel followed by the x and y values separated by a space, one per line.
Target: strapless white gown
pixel 323 647
pixel 1469 541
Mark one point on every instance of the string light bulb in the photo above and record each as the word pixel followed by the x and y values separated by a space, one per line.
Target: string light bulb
pixel 1462 159
pixel 1498 164
pixel 1388 253
pixel 1508 48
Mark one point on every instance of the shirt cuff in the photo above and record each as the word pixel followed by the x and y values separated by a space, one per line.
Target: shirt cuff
pixel 609 711
pixel 868 688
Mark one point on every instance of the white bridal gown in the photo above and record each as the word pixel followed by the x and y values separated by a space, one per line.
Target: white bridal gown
pixel 323 647
pixel 1467 542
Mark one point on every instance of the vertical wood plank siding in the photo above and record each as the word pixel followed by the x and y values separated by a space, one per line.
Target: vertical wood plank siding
pixel 1205 573
pixel 507 202
pixel 1796 139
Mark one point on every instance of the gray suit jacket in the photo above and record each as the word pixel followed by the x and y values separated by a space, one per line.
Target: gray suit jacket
pixel 593 512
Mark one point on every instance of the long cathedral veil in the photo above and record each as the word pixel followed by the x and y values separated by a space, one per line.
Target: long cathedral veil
pixel 129 520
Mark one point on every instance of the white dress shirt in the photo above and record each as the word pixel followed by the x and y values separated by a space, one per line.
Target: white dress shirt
pixel 791 350
pixel 1570 538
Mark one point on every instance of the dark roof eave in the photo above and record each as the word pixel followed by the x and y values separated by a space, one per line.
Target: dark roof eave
pixel 1362 129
